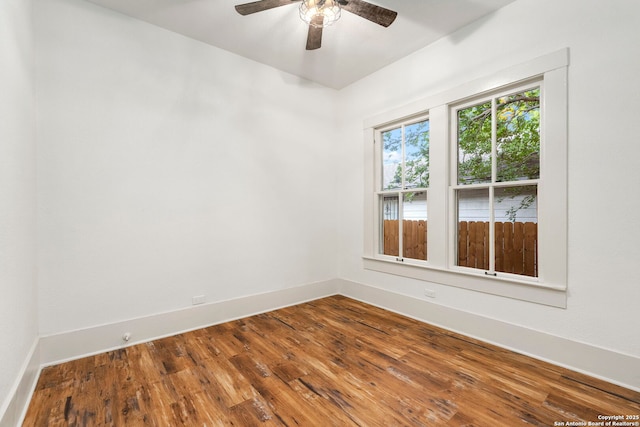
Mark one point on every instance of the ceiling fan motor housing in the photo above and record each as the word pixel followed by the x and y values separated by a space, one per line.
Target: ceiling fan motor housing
pixel 320 13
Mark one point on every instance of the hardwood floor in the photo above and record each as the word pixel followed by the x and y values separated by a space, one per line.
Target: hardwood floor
pixel 330 362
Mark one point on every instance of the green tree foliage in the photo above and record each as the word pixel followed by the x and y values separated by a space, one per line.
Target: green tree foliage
pixel 517 139
pixel 518 136
pixel 416 155
pixel 474 144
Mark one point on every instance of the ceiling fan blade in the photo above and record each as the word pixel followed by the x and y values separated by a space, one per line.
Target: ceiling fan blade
pixel 314 38
pixel 259 6
pixel 373 13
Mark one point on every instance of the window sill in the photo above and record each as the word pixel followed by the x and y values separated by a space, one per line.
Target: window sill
pixel 530 291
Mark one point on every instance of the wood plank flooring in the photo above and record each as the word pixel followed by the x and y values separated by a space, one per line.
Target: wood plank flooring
pixel 330 362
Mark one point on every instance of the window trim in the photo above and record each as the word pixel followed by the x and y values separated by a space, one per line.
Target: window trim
pixel 551 285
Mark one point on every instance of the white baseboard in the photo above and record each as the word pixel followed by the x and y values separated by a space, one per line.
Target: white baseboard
pixel 85 342
pixel 14 408
pixel 611 366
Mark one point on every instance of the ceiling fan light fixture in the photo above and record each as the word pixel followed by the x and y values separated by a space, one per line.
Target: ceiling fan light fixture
pixel 328 10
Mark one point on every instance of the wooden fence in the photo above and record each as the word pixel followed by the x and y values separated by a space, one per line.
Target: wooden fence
pixel 516 244
pixel 414 238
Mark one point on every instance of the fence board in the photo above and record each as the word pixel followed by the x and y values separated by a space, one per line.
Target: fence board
pixel 485 245
pixel 530 249
pixel 463 243
pixel 472 253
pixel 499 243
pixel 518 247
pixel 408 242
pixel 508 247
pixel 391 239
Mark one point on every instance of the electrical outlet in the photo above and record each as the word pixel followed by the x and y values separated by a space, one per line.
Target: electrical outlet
pixel 430 293
pixel 197 300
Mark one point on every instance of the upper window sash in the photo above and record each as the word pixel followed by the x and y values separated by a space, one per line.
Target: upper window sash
pixel 490 99
pixel 403 134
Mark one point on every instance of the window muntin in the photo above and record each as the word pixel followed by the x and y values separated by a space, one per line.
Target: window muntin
pixel 497 140
pixel 402 195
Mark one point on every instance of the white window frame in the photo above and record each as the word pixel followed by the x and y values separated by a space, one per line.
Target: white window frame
pixel 550 286
pixel 493 183
pixel 407 121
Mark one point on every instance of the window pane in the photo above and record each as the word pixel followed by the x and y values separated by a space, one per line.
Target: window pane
pixel 417 155
pixel 389 230
pixel 474 144
pixel 473 228
pixel 516 230
pixel 392 159
pixel 414 225
pixel 518 136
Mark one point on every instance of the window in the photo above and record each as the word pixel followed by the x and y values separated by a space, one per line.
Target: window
pixel 497 169
pixel 402 190
pixel 468 187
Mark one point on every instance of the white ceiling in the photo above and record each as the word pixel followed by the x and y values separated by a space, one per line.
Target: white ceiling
pixel 351 49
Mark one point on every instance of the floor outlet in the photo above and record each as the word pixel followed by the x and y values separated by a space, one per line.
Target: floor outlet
pixel 430 293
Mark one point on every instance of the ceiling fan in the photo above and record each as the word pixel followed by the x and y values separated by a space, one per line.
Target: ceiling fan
pixel 321 13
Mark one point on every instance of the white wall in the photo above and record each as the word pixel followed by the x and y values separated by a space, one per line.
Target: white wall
pixel 18 314
pixel 603 151
pixel 168 169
